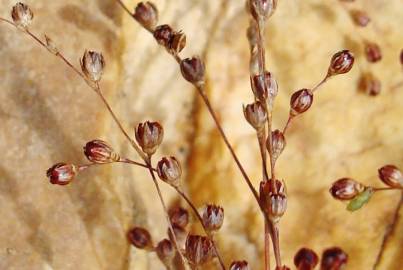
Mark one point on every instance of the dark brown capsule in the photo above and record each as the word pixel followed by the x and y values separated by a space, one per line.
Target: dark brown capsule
pixel 146 14
pixel 163 34
pixel 98 151
pixel 178 42
pixel 199 249
pixel 140 238
pixel 179 216
pixel 278 142
pixel 264 87
pixel 193 70
pixel 149 136
pixel 256 115
pixel 166 252
pixel 391 176
pixel 213 217
pixel 360 17
pixel 373 52
pixel 169 170
pixel 346 189
pixel 333 259
pixel 274 202
pixel 62 173
pixel 341 63
pixel 301 101
pixel 305 259
pixel 239 265
pixel 369 84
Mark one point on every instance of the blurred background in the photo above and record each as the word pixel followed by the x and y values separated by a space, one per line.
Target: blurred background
pixel 47 114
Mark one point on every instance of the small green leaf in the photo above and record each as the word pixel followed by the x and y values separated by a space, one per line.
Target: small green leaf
pixel 360 199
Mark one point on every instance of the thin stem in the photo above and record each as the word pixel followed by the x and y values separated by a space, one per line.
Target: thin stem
pixel 321 83
pixel 129 161
pixel 266 246
pixel 261 137
pixel 387 188
pixel 290 117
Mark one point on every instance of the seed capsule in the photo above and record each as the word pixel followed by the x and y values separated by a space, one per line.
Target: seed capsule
pixel 273 202
pixel 306 259
pixel 178 42
pixel 262 9
pixel 100 152
pixel 333 259
pixel 341 63
pixel 179 216
pixel 369 84
pixel 391 176
pixel 360 17
pixel 140 238
pixel 301 101
pixel 22 15
pixel 373 52
pixel 345 189
pixel 199 249
pixel 239 265
pixel 165 252
pixel 146 14
pixel 256 115
pixel 92 65
pixel 213 217
pixel 62 173
pixel 264 86
pixel 149 136
pixel 169 170
pixel 193 69
pixel 279 143
pixel 164 34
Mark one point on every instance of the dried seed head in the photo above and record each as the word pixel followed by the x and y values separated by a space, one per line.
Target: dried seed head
pixel 193 70
pixel 239 265
pixel 333 259
pixel 391 176
pixel 213 217
pixel 149 136
pixel 360 17
pixel 306 259
pixel 146 14
pixel 256 115
pixel 262 9
pixel 165 252
pixel 22 15
pixel 164 34
pixel 369 84
pixel 100 152
pixel 140 238
pixel 373 52
pixel 341 63
pixel 273 202
pixel 178 42
pixel 169 170
pixel 62 173
pixel 346 189
pixel 264 87
pixel 301 101
pixel 92 65
pixel 179 216
pixel 279 143
pixel 199 249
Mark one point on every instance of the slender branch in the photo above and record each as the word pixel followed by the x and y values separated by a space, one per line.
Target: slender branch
pixel 129 161
pixel 387 188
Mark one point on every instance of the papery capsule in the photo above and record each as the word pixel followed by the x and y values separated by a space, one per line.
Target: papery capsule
pixel 193 69
pixel 369 84
pixel 179 216
pixel 22 15
pixel 346 189
pixel 62 173
pixel 301 101
pixel 178 42
pixel 169 170
pixel 199 249
pixel 149 136
pixel 213 217
pixel 256 115
pixel 239 265
pixel 305 259
pixel 101 152
pixel 140 238
pixel 341 63
pixel 373 52
pixel 391 176
pixel 360 17
pixel 262 9
pixel 92 65
pixel 264 87
pixel 146 14
pixel 333 259
pixel 278 142
pixel 273 202
pixel 164 34
pixel 166 252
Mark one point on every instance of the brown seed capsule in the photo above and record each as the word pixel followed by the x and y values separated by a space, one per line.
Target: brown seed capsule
pixel 22 15
pixel 333 259
pixel 164 34
pixel 391 176
pixel 179 216
pixel 146 14
pixel 341 63
pixel 262 9
pixel 279 143
pixel 149 136
pixel 264 86
pixel 239 265
pixel 301 101
pixel 169 170
pixel 62 173
pixel 165 252
pixel 178 42
pixel 369 84
pixel 306 259
pixel 360 17
pixel 373 52
pixel 100 152
pixel 193 70
pixel 274 203
pixel 140 238
pixel 92 65
pixel 213 217
pixel 199 249
pixel 345 189
pixel 256 115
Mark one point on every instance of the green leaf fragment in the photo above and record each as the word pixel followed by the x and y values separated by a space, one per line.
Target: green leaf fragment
pixel 360 200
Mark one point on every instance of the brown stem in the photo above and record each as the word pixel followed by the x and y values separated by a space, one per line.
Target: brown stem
pixel 387 188
pixel 129 161
pixel 261 137
pixel 320 83
pixel 266 246
pixel 290 117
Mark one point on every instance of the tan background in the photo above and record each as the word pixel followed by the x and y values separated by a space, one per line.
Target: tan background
pixel 47 114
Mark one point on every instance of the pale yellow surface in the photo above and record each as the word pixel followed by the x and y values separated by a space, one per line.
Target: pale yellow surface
pixel 47 114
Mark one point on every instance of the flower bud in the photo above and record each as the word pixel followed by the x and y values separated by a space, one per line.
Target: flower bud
pixel 273 202
pixel 169 170
pixel 345 189
pixel 62 173
pixel 239 265
pixel 256 115
pixel 140 238
pixel 92 65
pixel 146 14
pixel 164 34
pixel 178 42
pixel 213 217
pixel 278 142
pixel 360 17
pixel 333 259
pixel 199 249
pixel 369 84
pixel 149 136
pixel 373 52
pixel 165 252
pixel 100 152
pixel 306 259
pixel 301 101
pixel 262 9
pixel 341 63
pixel 22 15
pixel 391 176
pixel 179 216
pixel 193 69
